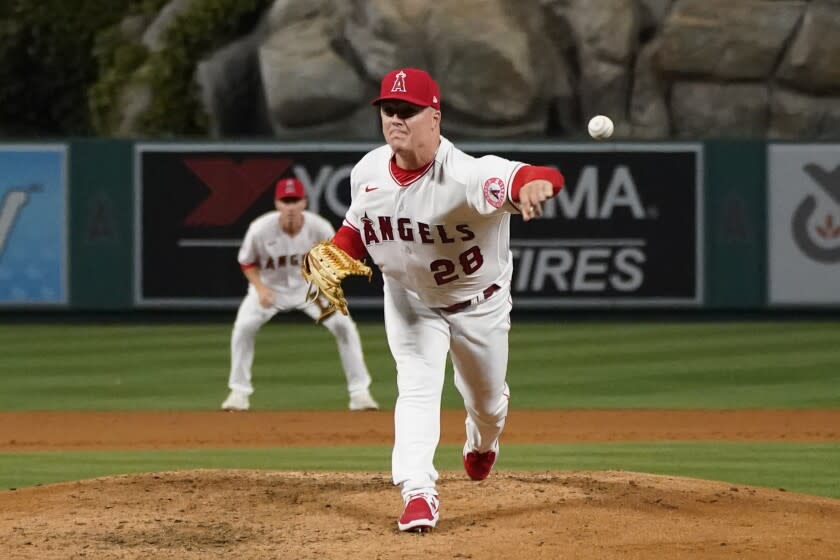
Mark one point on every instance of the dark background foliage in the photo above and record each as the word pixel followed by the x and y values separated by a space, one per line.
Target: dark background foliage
pixel 62 63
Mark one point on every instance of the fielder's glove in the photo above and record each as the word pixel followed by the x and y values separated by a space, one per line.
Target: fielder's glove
pixel 324 266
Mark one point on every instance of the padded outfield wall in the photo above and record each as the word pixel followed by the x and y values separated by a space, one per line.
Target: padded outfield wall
pixel 94 225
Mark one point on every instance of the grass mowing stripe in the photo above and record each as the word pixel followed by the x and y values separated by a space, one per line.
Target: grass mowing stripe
pixel 683 349
pixel 809 468
pixel 580 365
pixel 669 331
pixel 693 359
pixel 621 333
pixel 678 334
pixel 708 372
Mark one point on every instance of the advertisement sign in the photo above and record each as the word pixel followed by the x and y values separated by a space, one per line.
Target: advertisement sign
pixel 195 203
pixel 33 225
pixel 804 224
pixel 624 231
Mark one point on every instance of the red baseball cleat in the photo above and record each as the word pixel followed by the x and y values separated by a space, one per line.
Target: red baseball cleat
pixel 478 465
pixel 421 513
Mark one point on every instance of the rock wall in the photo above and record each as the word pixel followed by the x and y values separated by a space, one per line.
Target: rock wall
pixel 511 68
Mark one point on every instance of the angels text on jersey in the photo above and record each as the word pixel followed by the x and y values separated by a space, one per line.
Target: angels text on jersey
pixel 444 235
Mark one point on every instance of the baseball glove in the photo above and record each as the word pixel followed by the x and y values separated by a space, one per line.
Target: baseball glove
pixel 324 266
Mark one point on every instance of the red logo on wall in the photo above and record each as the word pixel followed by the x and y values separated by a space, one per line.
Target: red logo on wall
pixel 234 187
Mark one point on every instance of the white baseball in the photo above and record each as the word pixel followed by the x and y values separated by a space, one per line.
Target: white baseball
pixel 600 127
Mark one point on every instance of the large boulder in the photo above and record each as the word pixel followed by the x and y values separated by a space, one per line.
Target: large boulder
pixel 649 116
pixel 306 83
pixel 382 35
pixel 722 39
pixel 813 61
pixel 231 89
pixel 651 15
pixel 510 79
pixel 606 38
pixel 658 68
pixel 719 110
pixel 798 115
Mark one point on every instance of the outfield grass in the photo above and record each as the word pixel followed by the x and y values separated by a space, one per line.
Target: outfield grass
pixel 809 468
pixel 576 365
pixel 552 365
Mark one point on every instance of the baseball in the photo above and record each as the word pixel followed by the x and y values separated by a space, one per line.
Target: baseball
pixel 600 127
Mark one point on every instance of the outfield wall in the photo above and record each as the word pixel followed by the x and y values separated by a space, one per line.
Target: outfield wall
pixel 119 225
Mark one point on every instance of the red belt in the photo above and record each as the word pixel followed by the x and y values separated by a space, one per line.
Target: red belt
pixel 456 307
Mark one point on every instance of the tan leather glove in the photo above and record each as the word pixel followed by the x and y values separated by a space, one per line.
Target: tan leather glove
pixel 324 266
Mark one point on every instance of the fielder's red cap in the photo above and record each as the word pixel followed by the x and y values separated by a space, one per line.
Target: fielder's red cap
pixel 289 188
pixel 410 84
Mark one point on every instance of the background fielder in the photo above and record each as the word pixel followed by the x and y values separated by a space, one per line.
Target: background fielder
pixel 270 258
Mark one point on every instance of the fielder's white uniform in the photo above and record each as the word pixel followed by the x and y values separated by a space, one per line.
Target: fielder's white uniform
pixel 278 256
pixel 441 241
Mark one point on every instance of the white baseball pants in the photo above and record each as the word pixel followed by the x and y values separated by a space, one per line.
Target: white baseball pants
pixel 419 338
pixel 252 316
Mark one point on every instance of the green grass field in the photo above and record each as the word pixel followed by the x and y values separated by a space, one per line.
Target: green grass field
pixel 810 468
pixel 572 365
pixel 575 365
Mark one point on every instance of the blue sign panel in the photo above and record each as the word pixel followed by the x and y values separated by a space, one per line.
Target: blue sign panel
pixel 33 225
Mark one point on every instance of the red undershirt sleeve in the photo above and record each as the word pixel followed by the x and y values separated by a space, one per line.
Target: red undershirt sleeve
pixel 350 240
pixel 528 173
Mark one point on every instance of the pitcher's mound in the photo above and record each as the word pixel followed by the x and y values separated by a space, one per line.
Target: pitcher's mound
pixel 260 514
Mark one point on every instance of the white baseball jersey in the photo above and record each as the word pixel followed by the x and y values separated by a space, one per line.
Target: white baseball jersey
pixel 279 255
pixel 445 236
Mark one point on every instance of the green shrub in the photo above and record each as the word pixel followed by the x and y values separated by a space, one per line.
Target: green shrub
pixel 46 64
pixel 175 108
pixel 64 64
pixel 118 61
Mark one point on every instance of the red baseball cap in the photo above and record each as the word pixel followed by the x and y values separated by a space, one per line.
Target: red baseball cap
pixel 410 84
pixel 289 188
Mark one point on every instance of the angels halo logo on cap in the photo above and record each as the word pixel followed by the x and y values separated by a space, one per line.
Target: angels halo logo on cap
pixel 289 188
pixel 412 85
pixel 399 82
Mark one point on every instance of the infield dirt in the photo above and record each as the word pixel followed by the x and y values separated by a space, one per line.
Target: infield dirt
pixel 262 514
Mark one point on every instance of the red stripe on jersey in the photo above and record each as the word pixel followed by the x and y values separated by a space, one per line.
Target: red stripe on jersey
pixel 246 266
pixel 405 177
pixel 528 173
pixel 350 240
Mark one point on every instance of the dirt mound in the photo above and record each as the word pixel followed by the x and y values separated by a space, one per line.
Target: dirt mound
pixel 261 514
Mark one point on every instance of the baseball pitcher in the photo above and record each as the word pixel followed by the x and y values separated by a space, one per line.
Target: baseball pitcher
pixel 436 221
